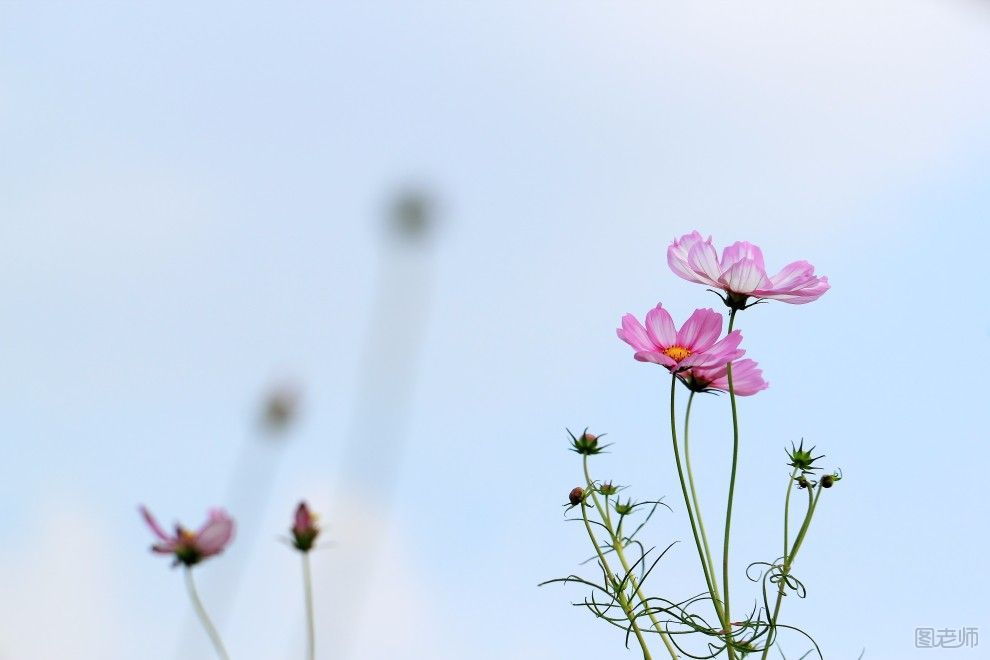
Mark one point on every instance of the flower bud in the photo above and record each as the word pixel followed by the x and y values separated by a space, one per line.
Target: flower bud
pixel 304 528
pixel 608 489
pixel 802 459
pixel 624 509
pixel 829 479
pixel 576 496
pixel 586 443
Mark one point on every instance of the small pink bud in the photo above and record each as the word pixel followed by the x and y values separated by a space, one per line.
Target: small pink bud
pixel 304 528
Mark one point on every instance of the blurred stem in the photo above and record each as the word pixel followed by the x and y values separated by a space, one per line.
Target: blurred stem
pixel 617 545
pixel 619 593
pixel 732 482
pixel 308 589
pixel 785 570
pixel 709 565
pixel 203 617
pixel 709 579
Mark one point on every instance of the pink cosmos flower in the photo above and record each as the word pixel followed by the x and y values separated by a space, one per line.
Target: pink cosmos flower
pixel 696 344
pixel 747 378
pixel 741 273
pixel 189 547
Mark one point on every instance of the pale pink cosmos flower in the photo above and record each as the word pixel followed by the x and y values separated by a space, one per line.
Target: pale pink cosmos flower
pixel 696 344
pixel 741 273
pixel 189 547
pixel 747 378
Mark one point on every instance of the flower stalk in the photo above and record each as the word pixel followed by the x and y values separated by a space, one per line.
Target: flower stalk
pixel 204 618
pixel 619 546
pixel 732 482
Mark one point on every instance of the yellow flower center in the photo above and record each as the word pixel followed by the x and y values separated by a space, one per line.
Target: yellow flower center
pixel 677 353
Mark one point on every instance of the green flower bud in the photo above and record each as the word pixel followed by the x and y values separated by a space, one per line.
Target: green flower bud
pixel 624 509
pixel 586 443
pixel 802 459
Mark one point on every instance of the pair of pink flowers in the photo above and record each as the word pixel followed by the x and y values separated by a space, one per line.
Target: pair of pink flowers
pixel 694 353
pixel 190 548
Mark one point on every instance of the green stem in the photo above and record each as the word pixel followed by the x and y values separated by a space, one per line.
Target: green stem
pixel 708 564
pixel 619 593
pixel 310 627
pixel 617 545
pixel 732 481
pixel 786 568
pixel 787 509
pixel 709 579
pixel 203 617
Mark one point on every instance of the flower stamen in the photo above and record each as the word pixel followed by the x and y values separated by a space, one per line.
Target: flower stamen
pixel 676 353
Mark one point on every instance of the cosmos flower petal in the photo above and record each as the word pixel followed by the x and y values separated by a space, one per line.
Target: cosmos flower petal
pixel 742 250
pixel 700 331
pixel 703 260
pixel 677 256
pixel 660 327
pixel 747 378
pixel 656 357
pixel 214 536
pixel 633 333
pixel 793 274
pixel 153 524
pixel 744 276
pixel 725 350
pixel 806 293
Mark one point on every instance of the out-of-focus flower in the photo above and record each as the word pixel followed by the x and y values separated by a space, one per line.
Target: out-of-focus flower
pixel 304 528
pixel 741 272
pixel 189 547
pixel 281 406
pixel 608 488
pixel 696 344
pixel 624 509
pixel 747 378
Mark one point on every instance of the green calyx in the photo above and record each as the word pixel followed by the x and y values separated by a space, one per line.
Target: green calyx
pixel 586 444
pixel 802 459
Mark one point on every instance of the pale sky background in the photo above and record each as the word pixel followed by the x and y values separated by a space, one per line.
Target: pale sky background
pixel 190 208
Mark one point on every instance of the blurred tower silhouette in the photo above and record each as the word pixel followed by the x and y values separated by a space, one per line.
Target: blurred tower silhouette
pixel 370 460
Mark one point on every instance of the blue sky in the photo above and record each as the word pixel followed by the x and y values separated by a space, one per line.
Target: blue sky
pixel 191 210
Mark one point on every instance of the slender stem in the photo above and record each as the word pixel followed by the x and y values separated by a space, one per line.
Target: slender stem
pixel 308 589
pixel 709 579
pixel 201 613
pixel 709 564
pixel 787 509
pixel 619 594
pixel 617 545
pixel 732 482
pixel 786 568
